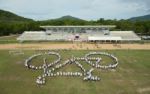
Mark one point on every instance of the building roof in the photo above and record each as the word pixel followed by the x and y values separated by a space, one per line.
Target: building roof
pixel 86 26
pixel 125 35
pixel 104 38
pixel 32 35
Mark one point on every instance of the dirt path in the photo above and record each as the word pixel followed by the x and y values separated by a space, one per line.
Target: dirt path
pixel 76 46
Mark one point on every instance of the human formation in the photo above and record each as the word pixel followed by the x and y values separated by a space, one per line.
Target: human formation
pixel 49 69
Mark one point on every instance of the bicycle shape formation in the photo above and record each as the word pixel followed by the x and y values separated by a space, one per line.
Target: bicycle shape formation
pixel 50 68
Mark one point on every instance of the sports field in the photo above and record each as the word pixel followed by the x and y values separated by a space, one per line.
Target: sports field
pixel 130 77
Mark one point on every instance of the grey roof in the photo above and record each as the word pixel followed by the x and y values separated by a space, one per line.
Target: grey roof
pixel 86 26
pixel 125 35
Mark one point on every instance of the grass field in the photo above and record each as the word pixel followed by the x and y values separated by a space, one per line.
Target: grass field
pixel 131 76
pixel 8 39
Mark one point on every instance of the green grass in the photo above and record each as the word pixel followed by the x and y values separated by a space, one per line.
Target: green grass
pixel 8 39
pixel 131 76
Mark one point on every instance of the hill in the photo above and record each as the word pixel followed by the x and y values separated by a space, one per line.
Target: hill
pixel 141 18
pixel 11 17
pixel 68 17
pixel 65 20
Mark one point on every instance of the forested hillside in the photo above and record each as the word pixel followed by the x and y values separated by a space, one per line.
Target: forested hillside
pixel 141 18
pixel 11 23
pixel 11 17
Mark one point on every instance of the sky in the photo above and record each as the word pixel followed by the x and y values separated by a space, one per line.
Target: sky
pixel 84 9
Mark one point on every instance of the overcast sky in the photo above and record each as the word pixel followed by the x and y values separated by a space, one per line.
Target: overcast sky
pixel 85 9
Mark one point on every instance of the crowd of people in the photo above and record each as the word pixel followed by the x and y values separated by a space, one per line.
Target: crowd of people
pixel 49 69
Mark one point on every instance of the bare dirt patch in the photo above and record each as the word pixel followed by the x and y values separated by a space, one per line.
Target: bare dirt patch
pixel 75 46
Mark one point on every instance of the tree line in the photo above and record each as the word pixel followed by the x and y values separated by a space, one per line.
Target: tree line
pixel 18 27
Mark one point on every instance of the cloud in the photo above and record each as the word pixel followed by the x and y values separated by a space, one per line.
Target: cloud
pixel 142 4
pixel 86 9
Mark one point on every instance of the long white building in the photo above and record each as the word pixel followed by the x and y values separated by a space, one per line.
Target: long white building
pixel 78 33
